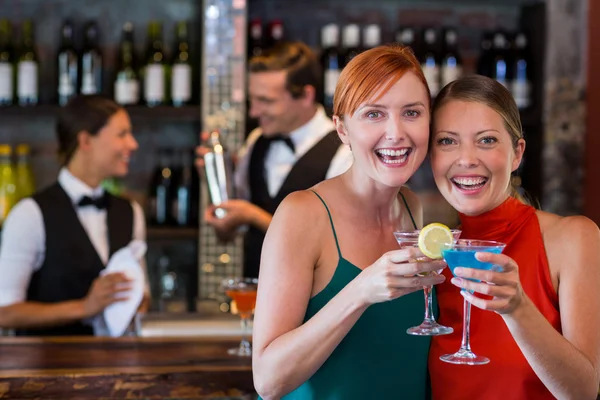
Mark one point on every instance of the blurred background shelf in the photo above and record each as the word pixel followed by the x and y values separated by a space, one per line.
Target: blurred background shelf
pixel 171 233
pixel 189 113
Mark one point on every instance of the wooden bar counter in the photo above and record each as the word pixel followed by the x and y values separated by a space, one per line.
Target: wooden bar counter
pixel 149 367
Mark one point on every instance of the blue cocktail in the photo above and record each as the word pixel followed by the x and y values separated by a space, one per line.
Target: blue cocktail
pixel 429 326
pixel 462 254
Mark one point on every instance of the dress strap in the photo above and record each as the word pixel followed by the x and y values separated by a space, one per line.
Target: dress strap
pixel 331 221
pixel 407 209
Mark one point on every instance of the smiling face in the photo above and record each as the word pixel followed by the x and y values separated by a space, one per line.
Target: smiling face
pixel 273 105
pixel 111 148
pixel 472 156
pixel 389 133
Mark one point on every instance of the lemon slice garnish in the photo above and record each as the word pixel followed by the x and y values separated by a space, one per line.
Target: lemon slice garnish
pixel 434 238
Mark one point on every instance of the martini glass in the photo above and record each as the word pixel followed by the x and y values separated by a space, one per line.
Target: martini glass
pixel 429 327
pixel 462 254
pixel 243 292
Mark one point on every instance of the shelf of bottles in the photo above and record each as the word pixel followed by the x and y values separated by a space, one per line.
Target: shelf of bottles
pixel 504 56
pixel 153 85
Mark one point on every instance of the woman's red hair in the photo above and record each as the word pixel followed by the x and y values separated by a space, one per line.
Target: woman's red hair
pixel 369 71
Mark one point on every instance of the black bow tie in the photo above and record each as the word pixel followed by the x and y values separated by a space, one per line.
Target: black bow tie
pixel 101 202
pixel 285 139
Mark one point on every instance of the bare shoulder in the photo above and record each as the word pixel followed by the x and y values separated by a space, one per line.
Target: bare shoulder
pixel 557 228
pixel 302 210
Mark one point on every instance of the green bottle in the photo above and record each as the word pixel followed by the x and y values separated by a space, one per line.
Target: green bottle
pixel 27 68
pixel 6 64
pixel 181 69
pixel 25 180
pixel 155 71
pixel 127 87
pixel 7 182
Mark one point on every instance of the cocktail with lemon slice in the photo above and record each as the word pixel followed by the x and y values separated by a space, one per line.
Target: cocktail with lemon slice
pixel 431 240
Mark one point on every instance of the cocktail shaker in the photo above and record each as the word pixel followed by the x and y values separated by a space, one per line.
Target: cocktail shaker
pixel 218 169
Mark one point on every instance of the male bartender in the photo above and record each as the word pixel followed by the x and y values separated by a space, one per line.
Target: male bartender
pixel 294 147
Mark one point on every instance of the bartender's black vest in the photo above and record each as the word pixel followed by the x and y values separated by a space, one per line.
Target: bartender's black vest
pixel 71 263
pixel 309 170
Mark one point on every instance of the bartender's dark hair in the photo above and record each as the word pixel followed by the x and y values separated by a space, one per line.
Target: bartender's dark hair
pixel 83 113
pixel 297 59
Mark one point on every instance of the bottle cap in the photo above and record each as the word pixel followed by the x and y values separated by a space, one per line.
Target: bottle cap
pixel 351 36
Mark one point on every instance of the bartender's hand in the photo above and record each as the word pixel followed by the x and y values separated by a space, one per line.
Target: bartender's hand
pixel 105 290
pixel 238 213
pixel 201 150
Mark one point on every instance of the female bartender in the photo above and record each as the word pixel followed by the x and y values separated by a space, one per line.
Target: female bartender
pixel 55 244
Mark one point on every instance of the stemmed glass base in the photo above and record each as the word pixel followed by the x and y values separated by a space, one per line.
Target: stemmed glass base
pixel 243 350
pixel 465 357
pixel 429 328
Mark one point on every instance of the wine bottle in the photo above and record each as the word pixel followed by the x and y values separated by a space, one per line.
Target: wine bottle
pixel 183 186
pixel 500 65
pixel 451 66
pixel 371 36
pixel 276 33
pixel 256 42
pixel 91 61
pixel 67 65
pixel 520 86
pixel 27 68
pixel 6 64
pixel 181 72
pixel 430 61
pixel 407 37
pixel 331 60
pixel 127 90
pixel 350 42
pixel 8 185
pixel 486 58
pixel 154 70
pixel 161 191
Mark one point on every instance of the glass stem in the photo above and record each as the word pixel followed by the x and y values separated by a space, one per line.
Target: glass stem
pixel 428 304
pixel 244 344
pixel 465 344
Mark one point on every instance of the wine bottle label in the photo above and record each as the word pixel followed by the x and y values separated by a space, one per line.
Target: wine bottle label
pixel 432 75
pixel 450 74
pixel 127 91
pixel 181 86
pixel 331 77
pixel 6 81
pixel 88 84
pixel 154 83
pixel 65 85
pixel 521 91
pixel 27 79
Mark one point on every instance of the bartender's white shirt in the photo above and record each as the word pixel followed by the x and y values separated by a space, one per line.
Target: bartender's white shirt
pixel 280 159
pixel 23 245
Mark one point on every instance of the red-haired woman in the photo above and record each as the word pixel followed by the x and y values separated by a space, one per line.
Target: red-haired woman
pixel 334 298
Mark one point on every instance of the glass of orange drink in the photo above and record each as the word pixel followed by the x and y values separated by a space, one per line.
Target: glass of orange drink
pixel 243 292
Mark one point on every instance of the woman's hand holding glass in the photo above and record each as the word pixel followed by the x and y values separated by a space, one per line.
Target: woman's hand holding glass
pixel 396 274
pixel 502 284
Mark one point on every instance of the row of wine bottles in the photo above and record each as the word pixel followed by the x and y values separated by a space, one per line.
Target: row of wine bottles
pixel 173 197
pixel 156 80
pixel 504 57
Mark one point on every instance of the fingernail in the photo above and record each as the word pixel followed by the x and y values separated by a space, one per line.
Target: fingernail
pixel 458 270
pixel 479 256
pixel 456 281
